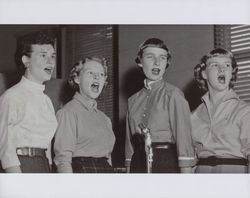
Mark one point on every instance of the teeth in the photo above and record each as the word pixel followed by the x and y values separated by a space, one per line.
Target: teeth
pixel 48 70
pixel 156 71
pixel 221 79
pixel 95 87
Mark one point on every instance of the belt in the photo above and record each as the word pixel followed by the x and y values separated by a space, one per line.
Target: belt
pixel 213 161
pixel 163 145
pixel 31 152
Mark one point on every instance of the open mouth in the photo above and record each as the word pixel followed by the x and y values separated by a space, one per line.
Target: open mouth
pixel 95 87
pixel 48 70
pixel 156 71
pixel 222 79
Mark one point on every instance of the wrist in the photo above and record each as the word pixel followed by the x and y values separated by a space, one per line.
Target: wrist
pixel 187 170
pixel 13 169
pixel 64 168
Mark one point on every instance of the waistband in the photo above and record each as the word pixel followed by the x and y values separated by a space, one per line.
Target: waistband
pixel 163 145
pixel 89 158
pixel 213 161
pixel 30 151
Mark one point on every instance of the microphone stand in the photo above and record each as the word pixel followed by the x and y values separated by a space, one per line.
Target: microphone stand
pixel 148 146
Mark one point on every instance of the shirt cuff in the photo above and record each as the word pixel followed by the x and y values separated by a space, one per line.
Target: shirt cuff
pixel 64 168
pixel 63 158
pixel 187 161
pixel 10 161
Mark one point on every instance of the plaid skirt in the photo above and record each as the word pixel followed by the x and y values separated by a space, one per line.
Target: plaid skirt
pixel 91 165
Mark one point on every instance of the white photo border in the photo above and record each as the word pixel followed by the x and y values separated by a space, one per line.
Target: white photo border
pixel 124 12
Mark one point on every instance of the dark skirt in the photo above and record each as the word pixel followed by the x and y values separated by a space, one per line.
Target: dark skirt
pixel 164 160
pixel 215 164
pixel 91 165
pixel 34 164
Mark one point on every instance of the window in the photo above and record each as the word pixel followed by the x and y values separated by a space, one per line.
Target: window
pixel 236 38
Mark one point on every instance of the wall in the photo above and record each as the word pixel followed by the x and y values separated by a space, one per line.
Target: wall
pixel 7 51
pixel 187 44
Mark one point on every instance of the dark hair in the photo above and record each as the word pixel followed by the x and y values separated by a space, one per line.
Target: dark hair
pixel 152 42
pixel 24 45
pixel 202 83
pixel 78 66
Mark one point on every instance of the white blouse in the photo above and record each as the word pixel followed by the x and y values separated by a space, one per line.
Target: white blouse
pixel 27 119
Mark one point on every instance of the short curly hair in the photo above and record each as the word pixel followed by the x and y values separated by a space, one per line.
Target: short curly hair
pixel 79 65
pixel 152 42
pixel 24 45
pixel 202 83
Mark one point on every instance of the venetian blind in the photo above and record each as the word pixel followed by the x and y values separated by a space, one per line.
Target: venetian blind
pixel 236 38
pixel 94 40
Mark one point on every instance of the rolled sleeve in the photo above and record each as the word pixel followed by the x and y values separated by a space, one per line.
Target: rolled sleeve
pixel 65 138
pixel 179 113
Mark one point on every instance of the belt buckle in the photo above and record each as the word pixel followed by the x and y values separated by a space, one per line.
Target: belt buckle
pixel 162 147
pixel 31 152
pixel 19 151
pixel 26 151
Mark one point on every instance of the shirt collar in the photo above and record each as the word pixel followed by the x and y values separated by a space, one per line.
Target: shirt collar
pixel 150 85
pixel 90 104
pixel 230 94
pixel 32 85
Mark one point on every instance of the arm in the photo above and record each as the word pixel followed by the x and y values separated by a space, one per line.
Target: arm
pixel 4 114
pixel 8 120
pixel 179 113
pixel 245 136
pixel 64 168
pixel 248 164
pixel 48 154
pixel 109 125
pixel 65 141
pixel 187 170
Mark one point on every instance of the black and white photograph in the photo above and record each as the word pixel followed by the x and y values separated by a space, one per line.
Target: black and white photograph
pixel 114 109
